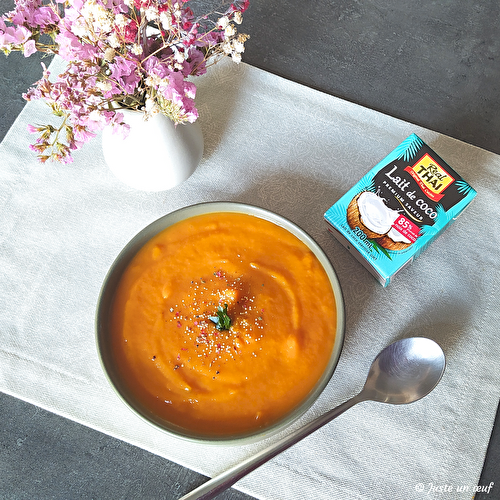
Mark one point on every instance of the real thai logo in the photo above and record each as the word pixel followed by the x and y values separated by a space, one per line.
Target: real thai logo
pixel 430 176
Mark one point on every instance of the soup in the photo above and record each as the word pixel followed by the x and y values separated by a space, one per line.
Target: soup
pixel 223 323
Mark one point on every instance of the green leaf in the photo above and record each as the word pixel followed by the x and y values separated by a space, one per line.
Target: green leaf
pixel 222 320
pixel 379 249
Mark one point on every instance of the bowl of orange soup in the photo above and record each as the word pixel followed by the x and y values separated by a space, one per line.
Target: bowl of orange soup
pixel 220 322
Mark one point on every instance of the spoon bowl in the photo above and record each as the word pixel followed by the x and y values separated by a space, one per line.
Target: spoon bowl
pixel 402 373
pixel 405 371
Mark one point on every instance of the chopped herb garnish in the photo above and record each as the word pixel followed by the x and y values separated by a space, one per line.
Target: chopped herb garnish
pixel 222 320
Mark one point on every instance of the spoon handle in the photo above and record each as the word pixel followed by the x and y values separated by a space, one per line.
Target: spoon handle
pixel 225 480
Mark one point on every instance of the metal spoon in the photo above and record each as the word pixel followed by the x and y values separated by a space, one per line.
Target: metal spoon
pixel 403 372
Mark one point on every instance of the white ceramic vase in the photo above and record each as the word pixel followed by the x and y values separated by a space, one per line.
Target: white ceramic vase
pixel 156 155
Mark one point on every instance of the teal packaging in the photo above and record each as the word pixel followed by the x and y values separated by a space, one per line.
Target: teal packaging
pixel 398 208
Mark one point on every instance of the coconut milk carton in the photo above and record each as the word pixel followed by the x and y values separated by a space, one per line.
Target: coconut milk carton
pixel 390 216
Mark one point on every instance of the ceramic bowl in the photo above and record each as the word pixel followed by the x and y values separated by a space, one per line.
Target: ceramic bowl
pixel 120 264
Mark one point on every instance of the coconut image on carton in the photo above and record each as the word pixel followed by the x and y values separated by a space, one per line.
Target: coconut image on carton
pixel 402 204
pixel 368 212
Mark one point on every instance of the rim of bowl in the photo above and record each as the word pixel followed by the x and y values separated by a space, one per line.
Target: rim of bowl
pixel 113 276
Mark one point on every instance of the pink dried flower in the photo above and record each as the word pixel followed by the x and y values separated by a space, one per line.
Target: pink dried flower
pixel 136 54
pixel 32 129
pixel 29 48
pixel 130 31
pixel 12 38
pixel 124 75
pixel 238 6
pixel 71 47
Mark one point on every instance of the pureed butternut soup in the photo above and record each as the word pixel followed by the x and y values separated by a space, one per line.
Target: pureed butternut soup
pixel 223 323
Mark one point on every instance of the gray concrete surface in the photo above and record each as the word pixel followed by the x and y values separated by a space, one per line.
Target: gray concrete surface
pixel 435 63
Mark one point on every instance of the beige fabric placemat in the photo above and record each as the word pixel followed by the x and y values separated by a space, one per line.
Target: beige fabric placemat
pixel 293 150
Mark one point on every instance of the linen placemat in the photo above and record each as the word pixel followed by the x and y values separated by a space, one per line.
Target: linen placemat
pixel 295 151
